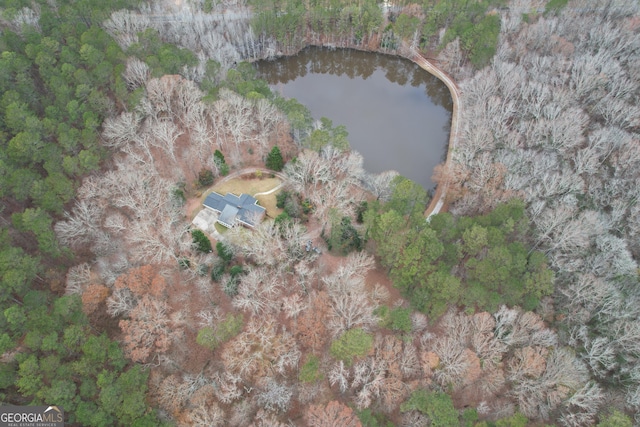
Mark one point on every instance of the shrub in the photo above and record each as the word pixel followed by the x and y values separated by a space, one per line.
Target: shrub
pixel 218 270
pixel 400 319
pixel 224 252
pixel 211 338
pixel 235 271
pixel 351 344
pixel 437 406
pixel 201 241
pixel 281 198
pixel 230 287
pixel 205 177
pixel 310 372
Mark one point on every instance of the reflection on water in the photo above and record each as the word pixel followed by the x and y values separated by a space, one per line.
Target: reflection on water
pixel 398 115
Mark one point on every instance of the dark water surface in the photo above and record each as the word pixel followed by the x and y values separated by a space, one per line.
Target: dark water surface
pixel 398 115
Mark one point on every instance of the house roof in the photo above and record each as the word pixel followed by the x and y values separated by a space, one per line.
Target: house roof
pixel 228 215
pixel 231 207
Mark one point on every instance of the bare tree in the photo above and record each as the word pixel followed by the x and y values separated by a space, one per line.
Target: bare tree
pixel 78 278
pixel 582 407
pixel 136 73
pixel 292 305
pixel 350 305
pixel 120 130
pixel 274 396
pixel 258 292
pixel 340 376
pixel 368 381
pixel 453 361
pixel 149 330
pixel 261 350
pixel 124 26
pixel 229 387
pixel 206 415
pixel 80 227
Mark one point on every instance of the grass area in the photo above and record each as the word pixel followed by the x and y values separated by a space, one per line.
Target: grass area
pixel 248 186
pixel 221 228
pixel 269 203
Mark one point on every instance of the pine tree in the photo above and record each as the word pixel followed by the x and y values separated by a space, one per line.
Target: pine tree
pixel 274 159
pixel 201 241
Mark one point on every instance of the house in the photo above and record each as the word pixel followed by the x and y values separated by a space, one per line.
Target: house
pixel 233 209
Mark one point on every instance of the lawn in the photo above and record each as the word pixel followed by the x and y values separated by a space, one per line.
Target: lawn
pixel 248 186
pixel 269 203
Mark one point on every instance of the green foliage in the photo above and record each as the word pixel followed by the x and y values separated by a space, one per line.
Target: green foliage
pixel 327 134
pixel 230 327
pixel 351 344
pixel 211 338
pixel 554 7
pixel 282 220
pixel 218 157
pixel 201 241
pixel 343 236
pixel 243 80
pixel 281 198
pixel 205 177
pixel 223 167
pixel 615 419
pixel 298 116
pixel 38 222
pixel 56 87
pixel 310 371
pixel 361 209
pixel 436 405
pixel 368 418
pixel 230 286
pixel 274 159
pixel 469 417
pixel 482 41
pixel 178 195
pixel 70 366
pixel 211 78
pixel 400 319
pixel 293 204
pixel 224 252
pixel 217 271
pixel 236 270
pixel 162 58
pixel 494 266
pixel 408 199
pixel 184 263
pixel 17 268
pixel 475 23
pixel 516 420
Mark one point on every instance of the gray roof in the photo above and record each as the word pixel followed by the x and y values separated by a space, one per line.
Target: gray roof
pixel 228 215
pixel 231 207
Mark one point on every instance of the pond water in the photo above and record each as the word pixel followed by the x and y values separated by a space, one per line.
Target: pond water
pixel 398 116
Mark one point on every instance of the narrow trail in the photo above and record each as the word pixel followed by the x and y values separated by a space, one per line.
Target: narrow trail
pixel 273 190
pixel 440 195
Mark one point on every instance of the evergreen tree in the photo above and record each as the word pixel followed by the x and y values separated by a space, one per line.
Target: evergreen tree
pixel 274 159
pixel 201 241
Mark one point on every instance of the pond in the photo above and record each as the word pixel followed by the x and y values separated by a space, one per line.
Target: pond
pixel 398 115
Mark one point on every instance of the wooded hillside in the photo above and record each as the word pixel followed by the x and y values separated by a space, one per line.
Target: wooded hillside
pixel 518 306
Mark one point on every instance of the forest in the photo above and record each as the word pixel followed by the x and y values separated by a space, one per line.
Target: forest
pixel 517 306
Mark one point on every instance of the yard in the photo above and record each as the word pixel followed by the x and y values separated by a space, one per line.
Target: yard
pixel 252 187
